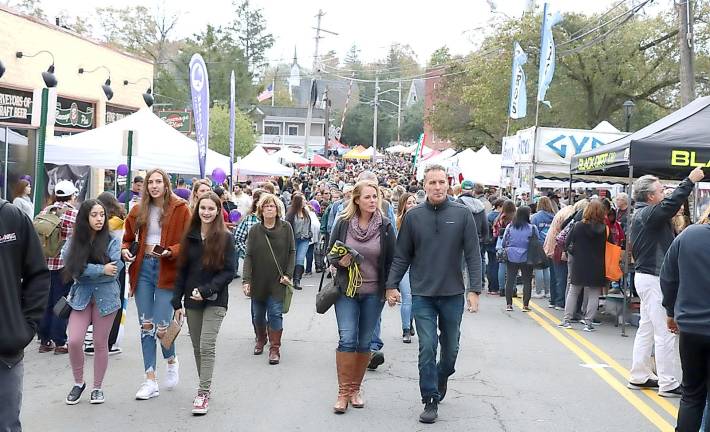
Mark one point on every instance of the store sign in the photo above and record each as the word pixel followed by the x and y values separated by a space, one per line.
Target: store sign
pixel 15 106
pixel 178 120
pixel 559 145
pixel 114 113
pixel 74 114
pixel 593 163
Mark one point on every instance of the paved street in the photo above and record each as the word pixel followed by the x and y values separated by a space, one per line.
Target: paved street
pixel 516 372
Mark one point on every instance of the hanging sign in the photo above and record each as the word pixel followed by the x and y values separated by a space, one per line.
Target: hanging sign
pixel 74 114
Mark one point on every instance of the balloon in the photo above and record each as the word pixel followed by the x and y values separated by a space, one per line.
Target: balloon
pixel 234 215
pixel 122 170
pixel 218 175
pixel 316 205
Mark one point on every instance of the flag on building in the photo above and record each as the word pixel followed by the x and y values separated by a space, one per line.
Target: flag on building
pixel 547 52
pixel 518 92
pixel 266 94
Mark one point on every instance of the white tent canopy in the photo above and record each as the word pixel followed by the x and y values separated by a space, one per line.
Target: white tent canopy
pixel 371 152
pixel 259 163
pixel 480 167
pixel 157 146
pixel 285 155
pixel 397 149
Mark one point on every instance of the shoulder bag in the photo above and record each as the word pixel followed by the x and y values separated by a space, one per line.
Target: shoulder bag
pixel 612 259
pixel 288 295
pixel 61 308
pixel 536 253
pixel 326 297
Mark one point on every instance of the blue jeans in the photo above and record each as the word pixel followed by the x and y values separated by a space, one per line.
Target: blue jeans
pixel 406 309
pixel 502 270
pixel 11 396
pixel 447 311
pixel 301 251
pixel 52 328
pixel 542 281
pixel 377 344
pixel 309 258
pixel 557 291
pixel 492 269
pixel 357 318
pixel 155 312
pixel 269 311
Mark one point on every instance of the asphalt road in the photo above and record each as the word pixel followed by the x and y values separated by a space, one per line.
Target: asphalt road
pixel 515 372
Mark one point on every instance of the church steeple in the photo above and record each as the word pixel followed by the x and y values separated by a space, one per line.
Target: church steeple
pixel 295 57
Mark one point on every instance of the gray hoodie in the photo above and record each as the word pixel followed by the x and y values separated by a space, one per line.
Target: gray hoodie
pixel 432 241
pixel 478 208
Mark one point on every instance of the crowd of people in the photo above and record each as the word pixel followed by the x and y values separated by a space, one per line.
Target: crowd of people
pixel 177 250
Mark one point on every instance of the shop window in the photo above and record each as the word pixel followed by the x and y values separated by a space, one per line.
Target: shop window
pixel 16 158
pixel 293 130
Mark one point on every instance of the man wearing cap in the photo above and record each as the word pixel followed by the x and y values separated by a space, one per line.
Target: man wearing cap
pixel 53 330
pixel 136 187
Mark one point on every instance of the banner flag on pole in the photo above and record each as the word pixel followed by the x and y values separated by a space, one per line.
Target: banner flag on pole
pixel 200 90
pixel 420 149
pixel 518 91
pixel 232 119
pixel 547 53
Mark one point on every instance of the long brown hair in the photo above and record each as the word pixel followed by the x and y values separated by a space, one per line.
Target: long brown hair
pixel 297 207
pixel 193 195
pixel 594 213
pixel 507 213
pixel 19 190
pixel 213 243
pixel 402 208
pixel 146 199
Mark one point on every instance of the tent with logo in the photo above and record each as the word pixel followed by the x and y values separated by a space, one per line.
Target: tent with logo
pixel 158 145
pixel 668 148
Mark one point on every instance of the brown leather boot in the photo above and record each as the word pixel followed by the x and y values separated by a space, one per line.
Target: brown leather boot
pixel 274 345
pixel 344 364
pixel 260 339
pixel 359 368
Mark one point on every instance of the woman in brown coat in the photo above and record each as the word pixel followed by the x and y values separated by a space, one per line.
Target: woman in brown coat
pixel 265 274
pixel 157 224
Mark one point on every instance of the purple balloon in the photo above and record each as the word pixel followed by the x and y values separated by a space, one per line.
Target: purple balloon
pixel 234 216
pixel 122 170
pixel 218 175
pixel 316 205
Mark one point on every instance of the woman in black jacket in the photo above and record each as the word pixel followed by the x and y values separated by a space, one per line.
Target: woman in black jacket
pixel 206 268
pixel 587 244
pixel 364 229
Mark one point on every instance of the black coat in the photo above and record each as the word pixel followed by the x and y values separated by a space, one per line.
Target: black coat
pixel 387 248
pixel 587 244
pixel 192 275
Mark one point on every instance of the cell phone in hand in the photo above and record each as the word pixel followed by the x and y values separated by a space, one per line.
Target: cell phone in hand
pixel 158 250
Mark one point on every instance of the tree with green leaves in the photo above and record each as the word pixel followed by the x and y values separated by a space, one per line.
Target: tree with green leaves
pixel 244 138
pixel 249 31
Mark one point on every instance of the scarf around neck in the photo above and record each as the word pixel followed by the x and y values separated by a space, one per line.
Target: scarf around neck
pixel 373 227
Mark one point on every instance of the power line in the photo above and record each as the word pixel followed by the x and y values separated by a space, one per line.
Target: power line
pixel 601 17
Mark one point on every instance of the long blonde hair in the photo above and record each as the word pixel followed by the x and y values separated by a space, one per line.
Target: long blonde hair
pixel 354 209
pixel 146 199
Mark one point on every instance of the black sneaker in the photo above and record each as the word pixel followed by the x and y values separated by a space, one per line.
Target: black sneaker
pixel 97 396
pixel 443 385
pixel 376 359
pixel 89 350
pixel 431 411
pixel 75 394
pixel 406 336
pixel 675 393
pixel 649 384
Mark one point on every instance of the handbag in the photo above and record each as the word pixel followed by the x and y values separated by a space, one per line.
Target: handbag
pixel 171 333
pixel 326 297
pixel 536 253
pixel 612 260
pixel 288 295
pixel 62 309
pixel 502 255
pixel 133 248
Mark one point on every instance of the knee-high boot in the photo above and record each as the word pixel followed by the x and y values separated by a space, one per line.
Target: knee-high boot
pixel 345 364
pixel 360 366
pixel 297 275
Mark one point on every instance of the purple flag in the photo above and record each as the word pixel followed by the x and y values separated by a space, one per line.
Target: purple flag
pixel 200 89
pixel 231 128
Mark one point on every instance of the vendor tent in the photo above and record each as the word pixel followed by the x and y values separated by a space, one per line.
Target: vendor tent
pixel 157 146
pixel 668 148
pixel 356 153
pixel 259 163
pixel 396 149
pixel 319 161
pixel 285 155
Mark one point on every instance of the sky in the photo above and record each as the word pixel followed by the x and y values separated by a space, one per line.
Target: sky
pixel 373 25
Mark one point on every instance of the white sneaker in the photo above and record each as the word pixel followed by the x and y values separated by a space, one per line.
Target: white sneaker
pixel 172 376
pixel 147 390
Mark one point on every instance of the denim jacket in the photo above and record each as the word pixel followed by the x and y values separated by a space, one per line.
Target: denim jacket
pixel 93 283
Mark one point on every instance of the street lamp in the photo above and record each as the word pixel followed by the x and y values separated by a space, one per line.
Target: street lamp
pixel 106 86
pixel 148 95
pixel 49 79
pixel 628 111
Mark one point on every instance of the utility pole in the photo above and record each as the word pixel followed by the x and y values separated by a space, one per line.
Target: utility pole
pixel 685 39
pixel 399 111
pixel 374 117
pixel 326 124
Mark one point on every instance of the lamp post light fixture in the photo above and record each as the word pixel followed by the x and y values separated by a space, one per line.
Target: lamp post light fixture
pixel 148 95
pixel 48 76
pixel 628 112
pixel 106 86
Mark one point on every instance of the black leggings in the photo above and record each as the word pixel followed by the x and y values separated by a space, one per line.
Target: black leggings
pixel 113 336
pixel 695 360
pixel 510 277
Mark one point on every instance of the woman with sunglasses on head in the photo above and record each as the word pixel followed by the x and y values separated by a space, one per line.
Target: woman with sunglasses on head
pixel 206 267
pixel 154 229
pixel 92 260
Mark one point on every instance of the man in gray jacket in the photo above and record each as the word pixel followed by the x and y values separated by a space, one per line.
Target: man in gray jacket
pixel 433 238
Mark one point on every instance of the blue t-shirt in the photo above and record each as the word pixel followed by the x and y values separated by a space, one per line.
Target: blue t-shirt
pixel 542 220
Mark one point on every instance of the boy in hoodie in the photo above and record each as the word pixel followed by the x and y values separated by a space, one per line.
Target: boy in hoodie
pixel 478 209
pixel 24 285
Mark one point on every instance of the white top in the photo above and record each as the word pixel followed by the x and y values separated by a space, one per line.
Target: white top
pixel 243 202
pixel 25 204
pixel 154 229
